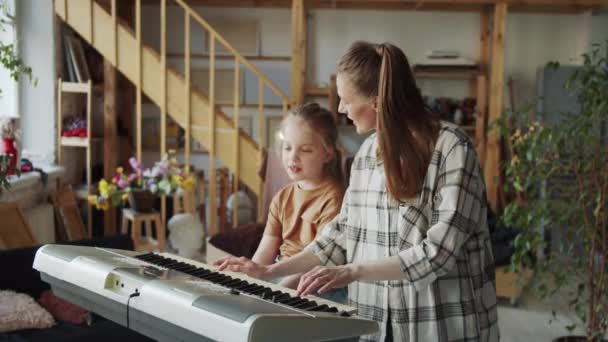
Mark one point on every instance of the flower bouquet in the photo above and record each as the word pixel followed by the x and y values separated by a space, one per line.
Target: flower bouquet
pixel 164 178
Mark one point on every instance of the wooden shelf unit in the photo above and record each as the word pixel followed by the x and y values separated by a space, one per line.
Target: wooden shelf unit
pixel 85 88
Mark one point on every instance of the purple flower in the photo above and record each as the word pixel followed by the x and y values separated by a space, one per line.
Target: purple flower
pixel 131 177
pixel 123 183
pixel 135 164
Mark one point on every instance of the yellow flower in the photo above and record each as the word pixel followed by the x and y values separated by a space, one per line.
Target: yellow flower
pixel 103 187
pixel 124 197
pixel 119 169
pixel 92 199
pixel 103 205
pixel 188 183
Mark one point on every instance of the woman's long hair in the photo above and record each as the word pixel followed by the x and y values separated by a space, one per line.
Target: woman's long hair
pixel 407 131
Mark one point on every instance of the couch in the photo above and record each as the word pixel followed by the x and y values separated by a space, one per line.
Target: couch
pixel 18 275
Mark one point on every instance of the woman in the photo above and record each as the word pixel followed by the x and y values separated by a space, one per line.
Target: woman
pixel 411 240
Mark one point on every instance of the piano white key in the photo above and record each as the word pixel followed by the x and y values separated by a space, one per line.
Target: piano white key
pixel 274 287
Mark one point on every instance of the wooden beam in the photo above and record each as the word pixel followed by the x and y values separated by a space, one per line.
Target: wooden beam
pixel 540 6
pixel 298 52
pixel 213 226
pixel 493 157
pixel 138 81
pixel 110 141
pixel 482 86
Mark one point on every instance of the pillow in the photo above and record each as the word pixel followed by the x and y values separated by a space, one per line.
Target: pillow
pixel 63 310
pixel 242 241
pixel 20 311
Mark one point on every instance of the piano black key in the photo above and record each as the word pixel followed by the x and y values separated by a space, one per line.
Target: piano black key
pixel 256 291
pixel 144 256
pixel 233 283
pixel 281 298
pixel 215 277
pixel 225 280
pixel 322 308
pixel 199 272
pixel 275 293
pixel 293 301
pixel 266 293
pixel 306 305
pixel 244 286
pixel 345 314
pixel 182 267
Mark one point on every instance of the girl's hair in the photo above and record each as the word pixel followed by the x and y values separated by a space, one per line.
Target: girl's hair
pixel 322 122
pixel 407 131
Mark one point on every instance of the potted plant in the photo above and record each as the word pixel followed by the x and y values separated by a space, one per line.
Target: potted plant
pixel 141 186
pixel 8 147
pixel 559 177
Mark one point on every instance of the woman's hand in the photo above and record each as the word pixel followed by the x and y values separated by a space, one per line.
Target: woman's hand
pixel 322 279
pixel 243 265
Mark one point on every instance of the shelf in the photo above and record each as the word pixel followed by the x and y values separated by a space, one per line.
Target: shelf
pixel 74 141
pixel 78 142
pixel 317 91
pixel 446 74
pixel 74 87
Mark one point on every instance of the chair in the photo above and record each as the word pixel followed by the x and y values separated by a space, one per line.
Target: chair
pixel 15 231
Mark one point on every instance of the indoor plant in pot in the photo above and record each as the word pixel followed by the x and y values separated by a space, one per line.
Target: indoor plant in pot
pixel 559 175
pixel 141 186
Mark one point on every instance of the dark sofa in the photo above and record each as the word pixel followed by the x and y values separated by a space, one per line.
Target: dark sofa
pixel 18 275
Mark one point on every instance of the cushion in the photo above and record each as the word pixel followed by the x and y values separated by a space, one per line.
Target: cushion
pixel 242 241
pixel 62 310
pixel 20 311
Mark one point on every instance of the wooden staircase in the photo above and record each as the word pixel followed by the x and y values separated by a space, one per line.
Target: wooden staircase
pixel 171 91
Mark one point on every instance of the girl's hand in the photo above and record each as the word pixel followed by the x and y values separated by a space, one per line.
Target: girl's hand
pixel 242 265
pixel 322 279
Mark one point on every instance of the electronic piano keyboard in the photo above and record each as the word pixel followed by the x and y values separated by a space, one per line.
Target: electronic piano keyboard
pixel 170 298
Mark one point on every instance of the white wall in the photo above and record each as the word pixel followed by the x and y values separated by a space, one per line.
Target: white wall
pixel 8 98
pixel 37 106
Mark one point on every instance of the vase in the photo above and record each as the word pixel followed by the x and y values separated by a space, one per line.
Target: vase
pixel 142 201
pixel 8 147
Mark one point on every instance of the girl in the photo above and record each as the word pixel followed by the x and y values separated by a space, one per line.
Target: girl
pixel 299 211
pixel 411 239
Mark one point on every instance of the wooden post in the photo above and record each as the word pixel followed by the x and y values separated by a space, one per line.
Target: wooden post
pixel 298 52
pixel 237 143
pixel 59 120
pixel 492 161
pixel 482 86
pixel 126 97
pixel 213 228
pixel 138 84
pixel 187 198
pixel 262 143
pixel 114 33
pixel 163 102
pixel 110 138
pixel 88 153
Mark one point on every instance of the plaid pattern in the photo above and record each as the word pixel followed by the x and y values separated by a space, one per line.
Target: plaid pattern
pixel 441 237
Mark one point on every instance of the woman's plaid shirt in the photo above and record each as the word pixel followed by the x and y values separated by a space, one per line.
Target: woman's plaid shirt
pixel 441 237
